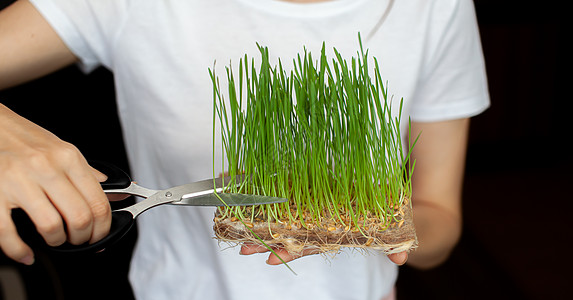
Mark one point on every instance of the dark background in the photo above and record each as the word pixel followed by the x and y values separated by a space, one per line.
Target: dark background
pixel 517 228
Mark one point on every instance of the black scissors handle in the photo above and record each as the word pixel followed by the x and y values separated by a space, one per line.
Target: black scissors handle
pixel 121 221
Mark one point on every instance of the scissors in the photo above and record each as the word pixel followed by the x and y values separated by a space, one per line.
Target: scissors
pixel 201 193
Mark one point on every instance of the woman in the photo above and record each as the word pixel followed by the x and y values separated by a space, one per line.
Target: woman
pixel 159 52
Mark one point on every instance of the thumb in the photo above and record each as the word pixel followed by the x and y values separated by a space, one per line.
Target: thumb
pixel 101 177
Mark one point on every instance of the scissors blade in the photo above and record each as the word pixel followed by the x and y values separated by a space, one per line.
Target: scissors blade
pixel 202 193
pixel 196 189
pixel 228 199
pixel 208 185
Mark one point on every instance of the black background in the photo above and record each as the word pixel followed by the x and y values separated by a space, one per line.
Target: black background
pixel 517 228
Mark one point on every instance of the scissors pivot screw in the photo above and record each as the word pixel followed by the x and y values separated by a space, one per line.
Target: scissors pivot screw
pixel 168 194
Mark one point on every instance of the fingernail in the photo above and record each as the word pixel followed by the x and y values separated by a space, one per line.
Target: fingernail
pixel 28 260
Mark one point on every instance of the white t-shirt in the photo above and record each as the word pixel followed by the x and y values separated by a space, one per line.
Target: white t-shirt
pixel 160 51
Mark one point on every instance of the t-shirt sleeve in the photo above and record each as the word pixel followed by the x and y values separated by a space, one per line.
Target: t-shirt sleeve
pixel 453 80
pixel 88 28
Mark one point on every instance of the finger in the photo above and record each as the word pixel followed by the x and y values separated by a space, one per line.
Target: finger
pixel 11 243
pixel 88 185
pixel 41 211
pixel 101 177
pixel 282 256
pixel 73 207
pixel 399 258
pixel 116 197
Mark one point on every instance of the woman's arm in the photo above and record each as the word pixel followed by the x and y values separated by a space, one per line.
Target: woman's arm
pixel 29 47
pixel 440 155
pixel 46 177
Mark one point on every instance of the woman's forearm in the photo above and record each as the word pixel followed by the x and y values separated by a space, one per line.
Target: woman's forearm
pixel 438 231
